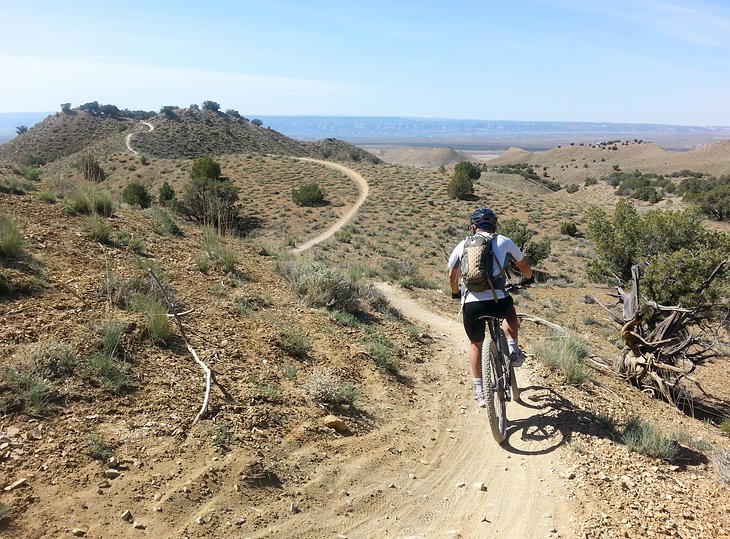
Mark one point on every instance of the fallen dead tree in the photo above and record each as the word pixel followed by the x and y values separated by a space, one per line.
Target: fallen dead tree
pixel 663 345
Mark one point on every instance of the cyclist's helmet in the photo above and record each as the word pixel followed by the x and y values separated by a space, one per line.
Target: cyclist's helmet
pixel 484 218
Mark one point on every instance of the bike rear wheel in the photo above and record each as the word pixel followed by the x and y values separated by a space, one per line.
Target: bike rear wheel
pixel 494 394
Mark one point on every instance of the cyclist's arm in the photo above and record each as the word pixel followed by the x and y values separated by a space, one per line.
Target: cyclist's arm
pixel 525 269
pixel 454 280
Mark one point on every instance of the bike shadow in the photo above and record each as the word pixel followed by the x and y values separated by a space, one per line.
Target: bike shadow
pixel 552 425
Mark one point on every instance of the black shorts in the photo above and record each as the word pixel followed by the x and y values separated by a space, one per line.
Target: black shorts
pixel 474 326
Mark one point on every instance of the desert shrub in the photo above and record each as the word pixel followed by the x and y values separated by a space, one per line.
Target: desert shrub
pixel 107 373
pixel 89 201
pixel 326 387
pixel 32 174
pixel 165 224
pixel 644 438
pixel 26 390
pixel 572 188
pixel 15 186
pixel 50 359
pixel 219 254
pixel 321 286
pixel 516 230
pixel 210 105
pixel 157 324
pixel 537 251
pixel 89 166
pixel 678 255
pixel 569 228
pixel 468 169
pixel 47 197
pixel 111 332
pixel 565 355
pixel 460 187
pixel 310 194
pixel 99 449
pixel 590 181
pixel 166 194
pixel 208 199
pixel 99 230
pixel 294 342
pixel 384 353
pixel 21 129
pixel 11 239
pixel 136 194
pixel 725 426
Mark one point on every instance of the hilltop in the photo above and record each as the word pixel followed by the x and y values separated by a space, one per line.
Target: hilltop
pixel 386 359
pixel 178 134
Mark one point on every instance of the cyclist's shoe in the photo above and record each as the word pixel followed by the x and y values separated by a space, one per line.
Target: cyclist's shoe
pixel 480 400
pixel 516 359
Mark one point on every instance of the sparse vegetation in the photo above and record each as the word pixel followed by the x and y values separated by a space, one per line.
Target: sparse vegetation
pixel 99 449
pixel 89 166
pixel 209 199
pixel 565 355
pixel 324 386
pixel 25 390
pixel 643 437
pixel 11 239
pixel 321 286
pixel 310 194
pixel 136 194
pixel 89 201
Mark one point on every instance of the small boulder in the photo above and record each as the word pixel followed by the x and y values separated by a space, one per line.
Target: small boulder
pixel 334 422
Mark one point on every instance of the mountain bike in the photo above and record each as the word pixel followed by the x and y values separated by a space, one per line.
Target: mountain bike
pixel 498 378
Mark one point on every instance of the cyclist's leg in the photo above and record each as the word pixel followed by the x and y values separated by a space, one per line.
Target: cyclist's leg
pixel 475 328
pixel 511 325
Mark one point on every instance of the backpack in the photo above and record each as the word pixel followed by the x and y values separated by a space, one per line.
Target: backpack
pixel 477 264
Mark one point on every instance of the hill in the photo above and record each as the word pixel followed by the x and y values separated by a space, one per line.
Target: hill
pixel 178 134
pixel 358 327
pixel 429 158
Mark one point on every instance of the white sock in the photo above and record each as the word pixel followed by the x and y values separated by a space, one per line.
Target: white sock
pixel 512 345
pixel 478 387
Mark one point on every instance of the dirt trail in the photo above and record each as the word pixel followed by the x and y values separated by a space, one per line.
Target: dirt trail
pixel 342 221
pixel 128 138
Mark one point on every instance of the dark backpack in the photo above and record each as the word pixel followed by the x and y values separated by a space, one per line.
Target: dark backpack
pixel 477 264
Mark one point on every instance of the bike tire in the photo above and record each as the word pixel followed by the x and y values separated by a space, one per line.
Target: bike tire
pixel 494 393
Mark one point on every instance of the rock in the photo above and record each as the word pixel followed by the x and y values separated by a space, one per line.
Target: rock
pixel 480 486
pixel 200 520
pixel 12 432
pixel 138 525
pixel 158 509
pixel 461 484
pixel 104 484
pixel 78 532
pixel 568 475
pixel 127 516
pixel 112 473
pixel 334 422
pixel 36 433
pixel 293 509
pixel 113 462
pixel 19 483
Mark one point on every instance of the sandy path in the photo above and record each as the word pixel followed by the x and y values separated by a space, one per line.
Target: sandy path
pixel 128 138
pixel 349 214
pixel 428 489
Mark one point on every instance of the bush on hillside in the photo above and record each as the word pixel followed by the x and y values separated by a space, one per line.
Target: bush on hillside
pixel 468 169
pixel 569 228
pixel 310 194
pixel 211 105
pixel 136 194
pixel 89 166
pixel 21 129
pixel 208 199
pixel 460 187
pixel 677 254
pixel 65 108
pixel 535 251
pixel 11 239
pixel 166 194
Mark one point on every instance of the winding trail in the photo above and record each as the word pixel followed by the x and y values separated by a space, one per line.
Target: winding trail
pixel 128 138
pixel 428 489
pixel 349 214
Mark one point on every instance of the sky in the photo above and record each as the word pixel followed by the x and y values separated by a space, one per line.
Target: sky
pixel 634 61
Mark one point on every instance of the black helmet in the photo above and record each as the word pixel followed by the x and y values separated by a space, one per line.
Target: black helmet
pixel 484 218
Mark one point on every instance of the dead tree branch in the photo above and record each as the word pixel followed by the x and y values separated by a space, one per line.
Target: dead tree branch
pixel 206 369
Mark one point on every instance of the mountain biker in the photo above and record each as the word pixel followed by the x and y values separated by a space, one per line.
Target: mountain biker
pixel 478 304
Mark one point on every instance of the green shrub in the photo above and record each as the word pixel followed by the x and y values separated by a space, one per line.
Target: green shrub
pixel 467 169
pixel 89 166
pixel 565 355
pixel 310 194
pixel 166 194
pixel 321 286
pixel 26 390
pixel 84 201
pixel 111 332
pixel 725 426
pixel 11 239
pixel 99 449
pixel 107 373
pixel 383 352
pixel 219 254
pixel 460 187
pixel 32 174
pixel 99 230
pixel 15 186
pixel 569 229
pixel 294 343
pixel 209 199
pixel 165 224
pixel 643 437
pixel 157 324
pixel 572 188
pixel 136 194
pixel 6 514
pixel 46 196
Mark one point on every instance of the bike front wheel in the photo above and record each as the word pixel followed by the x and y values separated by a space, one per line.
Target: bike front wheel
pixel 494 391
